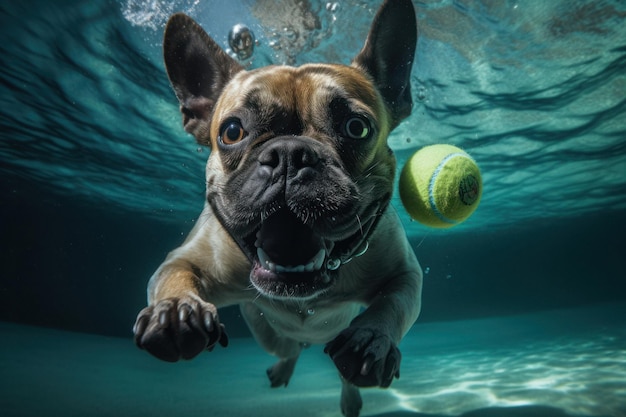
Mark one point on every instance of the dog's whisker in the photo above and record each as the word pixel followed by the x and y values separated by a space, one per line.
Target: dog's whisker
pixel 204 218
pixel 358 219
pixel 423 238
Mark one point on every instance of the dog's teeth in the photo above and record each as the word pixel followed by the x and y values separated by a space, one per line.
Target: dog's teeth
pixel 260 253
pixel 289 269
pixel 315 264
pixel 318 260
pixel 264 260
pixel 310 267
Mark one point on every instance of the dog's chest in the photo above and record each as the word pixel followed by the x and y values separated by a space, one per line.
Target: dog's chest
pixel 312 323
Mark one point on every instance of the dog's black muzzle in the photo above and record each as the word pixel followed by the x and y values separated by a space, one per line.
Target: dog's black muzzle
pixel 298 216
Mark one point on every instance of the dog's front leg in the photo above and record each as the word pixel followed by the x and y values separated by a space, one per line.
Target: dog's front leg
pixel 178 323
pixel 366 353
pixel 208 271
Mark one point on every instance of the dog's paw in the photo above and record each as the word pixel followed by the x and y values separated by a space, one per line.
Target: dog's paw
pixel 351 402
pixel 280 373
pixel 365 357
pixel 174 329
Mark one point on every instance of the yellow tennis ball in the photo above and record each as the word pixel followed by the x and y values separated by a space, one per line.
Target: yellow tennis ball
pixel 440 186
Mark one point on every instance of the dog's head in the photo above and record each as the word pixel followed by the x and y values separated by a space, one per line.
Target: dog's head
pixel 300 169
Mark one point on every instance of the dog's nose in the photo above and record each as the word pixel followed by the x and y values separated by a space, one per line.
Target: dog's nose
pixel 292 156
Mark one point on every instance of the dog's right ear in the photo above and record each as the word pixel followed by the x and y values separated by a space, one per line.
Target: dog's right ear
pixel 198 70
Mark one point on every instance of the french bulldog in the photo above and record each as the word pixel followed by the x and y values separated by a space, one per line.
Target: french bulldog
pixel 296 228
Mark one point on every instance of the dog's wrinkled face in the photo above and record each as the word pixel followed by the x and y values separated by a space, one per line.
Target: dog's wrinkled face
pixel 299 169
pixel 299 172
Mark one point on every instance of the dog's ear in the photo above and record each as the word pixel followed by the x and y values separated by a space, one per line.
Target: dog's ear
pixel 198 70
pixel 388 55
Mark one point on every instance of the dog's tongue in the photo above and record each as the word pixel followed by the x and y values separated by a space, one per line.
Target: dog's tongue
pixel 286 240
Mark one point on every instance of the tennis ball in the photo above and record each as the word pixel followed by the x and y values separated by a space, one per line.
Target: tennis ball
pixel 440 186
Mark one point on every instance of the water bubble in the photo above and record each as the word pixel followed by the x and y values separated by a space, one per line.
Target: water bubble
pixel 310 311
pixel 332 7
pixel 426 270
pixel 241 40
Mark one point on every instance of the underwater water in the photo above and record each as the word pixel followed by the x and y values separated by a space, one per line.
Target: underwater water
pixel 523 310
pixel 555 364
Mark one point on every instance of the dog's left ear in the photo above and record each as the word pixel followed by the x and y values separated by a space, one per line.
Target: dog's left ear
pixel 198 70
pixel 388 55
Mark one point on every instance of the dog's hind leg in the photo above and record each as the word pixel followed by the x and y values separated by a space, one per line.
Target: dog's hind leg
pixel 280 373
pixel 286 349
pixel 351 401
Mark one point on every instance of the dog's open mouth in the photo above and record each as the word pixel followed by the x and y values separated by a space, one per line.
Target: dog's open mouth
pixel 290 259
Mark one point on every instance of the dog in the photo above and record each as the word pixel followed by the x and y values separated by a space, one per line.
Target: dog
pixel 297 228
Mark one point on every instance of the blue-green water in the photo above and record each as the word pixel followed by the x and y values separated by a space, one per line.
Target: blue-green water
pixel 535 91
pixel 99 181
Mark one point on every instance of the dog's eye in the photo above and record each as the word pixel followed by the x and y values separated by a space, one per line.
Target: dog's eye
pixel 357 127
pixel 232 132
